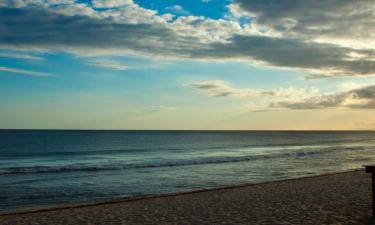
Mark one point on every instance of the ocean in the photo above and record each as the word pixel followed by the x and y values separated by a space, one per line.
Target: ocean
pixel 48 168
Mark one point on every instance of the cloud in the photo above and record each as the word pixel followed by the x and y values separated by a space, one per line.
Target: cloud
pixel 348 86
pixel 314 58
pixel 20 56
pixel 291 98
pixel 135 30
pixel 109 64
pixel 111 3
pixel 61 32
pixel 177 9
pixel 158 109
pixel 358 98
pixel 218 88
pixel 24 72
pixel 119 11
pixel 237 12
pixel 351 23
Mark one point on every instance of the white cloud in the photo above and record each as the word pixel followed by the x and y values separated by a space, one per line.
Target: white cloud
pixel 218 88
pixel 110 64
pixel 112 3
pixel 348 86
pixel 177 9
pixel 24 72
pixel 74 9
pixel 20 56
pixel 237 12
pixel 363 98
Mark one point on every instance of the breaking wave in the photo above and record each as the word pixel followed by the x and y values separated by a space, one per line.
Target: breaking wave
pixel 169 162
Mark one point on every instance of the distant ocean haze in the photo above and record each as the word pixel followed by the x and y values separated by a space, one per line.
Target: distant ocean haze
pixel 43 168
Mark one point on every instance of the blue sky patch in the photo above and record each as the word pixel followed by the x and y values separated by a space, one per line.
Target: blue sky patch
pixel 214 9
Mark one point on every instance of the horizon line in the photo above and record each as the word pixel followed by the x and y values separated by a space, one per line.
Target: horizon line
pixel 193 130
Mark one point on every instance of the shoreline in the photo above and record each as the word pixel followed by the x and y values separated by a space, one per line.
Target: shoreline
pixel 331 198
pixel 165 195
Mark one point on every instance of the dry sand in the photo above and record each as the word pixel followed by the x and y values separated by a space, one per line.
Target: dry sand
pixel 343 198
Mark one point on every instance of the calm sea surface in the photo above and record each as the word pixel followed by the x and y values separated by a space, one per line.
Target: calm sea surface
pixel 49 168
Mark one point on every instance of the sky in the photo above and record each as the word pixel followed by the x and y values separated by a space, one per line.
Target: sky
pixel 195 65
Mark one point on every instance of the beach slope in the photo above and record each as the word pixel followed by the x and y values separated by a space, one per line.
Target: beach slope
pixel 342 198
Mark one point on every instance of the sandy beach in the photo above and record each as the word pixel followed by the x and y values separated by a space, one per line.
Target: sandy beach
pixel 342 198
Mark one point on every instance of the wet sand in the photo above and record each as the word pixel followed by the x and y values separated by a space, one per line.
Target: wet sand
pixel 342 198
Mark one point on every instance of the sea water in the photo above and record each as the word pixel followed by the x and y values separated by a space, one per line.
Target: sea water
pixel 47 168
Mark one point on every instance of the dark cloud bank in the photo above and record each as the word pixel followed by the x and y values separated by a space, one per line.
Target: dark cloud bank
pixel 350 19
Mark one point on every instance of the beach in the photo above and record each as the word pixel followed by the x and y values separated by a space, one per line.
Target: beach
pixel 52 168
pixel 340 198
